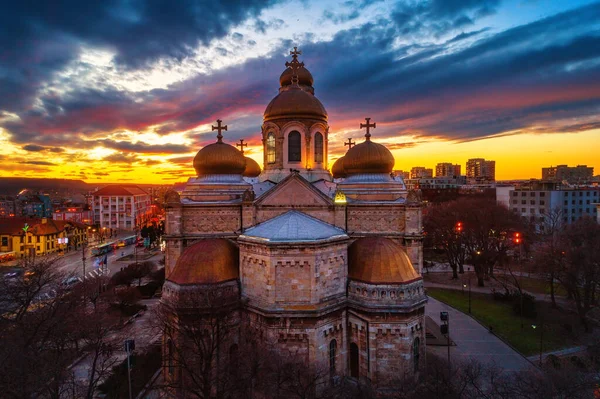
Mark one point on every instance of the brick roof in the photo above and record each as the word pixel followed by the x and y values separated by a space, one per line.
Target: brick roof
pixel 120 190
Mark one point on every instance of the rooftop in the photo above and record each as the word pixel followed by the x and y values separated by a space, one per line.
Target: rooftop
pixel 294 226
pixel 120 190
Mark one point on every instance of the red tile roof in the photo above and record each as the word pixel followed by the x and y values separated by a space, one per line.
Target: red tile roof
pixel 120 190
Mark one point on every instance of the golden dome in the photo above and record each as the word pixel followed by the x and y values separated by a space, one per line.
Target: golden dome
pixel 304 77
pixel 252 168
pixel 337 170
pixel 379 260
pixel 208 261
pixel 219 159
pixel 295 103
pixel 368 157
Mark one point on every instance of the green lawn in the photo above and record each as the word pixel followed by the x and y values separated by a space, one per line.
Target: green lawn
pixel 507 325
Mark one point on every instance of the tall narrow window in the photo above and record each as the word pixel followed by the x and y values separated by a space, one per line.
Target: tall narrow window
pixel 318 147
pixel 270 147
pixel 294 147
pixel 354 360
pixel 416 351
pixel 332 353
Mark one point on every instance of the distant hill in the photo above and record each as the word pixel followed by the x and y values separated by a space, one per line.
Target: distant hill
pixel 12 185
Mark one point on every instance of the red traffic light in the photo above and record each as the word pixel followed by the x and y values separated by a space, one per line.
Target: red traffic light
pixel 517 238
pixel 459 226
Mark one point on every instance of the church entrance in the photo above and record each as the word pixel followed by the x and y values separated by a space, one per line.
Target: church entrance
pixel 353 360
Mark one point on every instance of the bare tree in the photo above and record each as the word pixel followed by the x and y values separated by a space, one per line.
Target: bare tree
pixel 580 258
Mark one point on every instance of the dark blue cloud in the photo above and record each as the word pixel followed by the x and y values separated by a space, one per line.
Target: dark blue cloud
pixel 39 38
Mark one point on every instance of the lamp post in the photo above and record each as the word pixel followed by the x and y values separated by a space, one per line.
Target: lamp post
pixel 517 240
pixel 445 330
pixel 541 336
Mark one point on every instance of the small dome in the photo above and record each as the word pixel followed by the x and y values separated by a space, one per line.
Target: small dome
pixel 295 103
pixel 337 170
pixel 304 77
pixel 219 159
pixel 368 157
pixel 209 261
pixel 252 168
pixel 379 260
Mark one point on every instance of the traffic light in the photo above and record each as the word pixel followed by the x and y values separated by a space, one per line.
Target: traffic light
pixel 459 226
pixel 517 238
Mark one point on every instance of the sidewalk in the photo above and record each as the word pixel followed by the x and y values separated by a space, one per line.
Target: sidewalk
pixel 473 341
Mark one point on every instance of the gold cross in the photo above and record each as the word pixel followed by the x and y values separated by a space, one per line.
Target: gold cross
pixel 368 126
pixel 350 143
pixel 219 128
pixel 295 53
pixel 241 144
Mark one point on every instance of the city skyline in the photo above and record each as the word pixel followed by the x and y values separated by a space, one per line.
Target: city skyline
pixel 131 97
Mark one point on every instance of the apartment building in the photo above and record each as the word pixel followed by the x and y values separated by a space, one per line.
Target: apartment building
pixel 121 207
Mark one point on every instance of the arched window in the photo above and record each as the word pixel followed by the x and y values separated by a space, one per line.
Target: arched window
pixel 332 354
pixel 416 351
pixel 170 366
pixel 354 366
pixel 318 147
pixel 271 147
pixel 294 147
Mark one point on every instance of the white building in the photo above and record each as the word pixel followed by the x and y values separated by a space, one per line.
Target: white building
pixel 535 203
pixel 121 207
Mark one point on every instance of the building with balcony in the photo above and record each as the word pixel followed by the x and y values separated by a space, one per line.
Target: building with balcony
pixel 420 172
pixel 121 207
pixel 579 174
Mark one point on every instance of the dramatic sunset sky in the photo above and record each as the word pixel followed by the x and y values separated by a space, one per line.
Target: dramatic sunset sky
pixel 121 90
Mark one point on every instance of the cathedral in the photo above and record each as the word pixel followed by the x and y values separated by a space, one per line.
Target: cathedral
pixel 320 261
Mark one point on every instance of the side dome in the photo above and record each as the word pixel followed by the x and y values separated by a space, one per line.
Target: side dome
pixel 252 168
pixel 208 261
pixel 337 170
pixel 305 78
pixel 379 260
pixel 368 157
pixel 295 103
pixel 219 159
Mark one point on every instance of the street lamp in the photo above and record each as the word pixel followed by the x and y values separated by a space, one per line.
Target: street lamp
pixel 445 330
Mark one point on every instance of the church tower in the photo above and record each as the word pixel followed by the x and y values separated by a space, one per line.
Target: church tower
pixel 295 129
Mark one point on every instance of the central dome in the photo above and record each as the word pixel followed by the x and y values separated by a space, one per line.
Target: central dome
pixel 219 159
pixel 295 103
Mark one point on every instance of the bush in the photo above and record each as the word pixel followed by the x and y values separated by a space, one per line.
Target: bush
pixel 528 305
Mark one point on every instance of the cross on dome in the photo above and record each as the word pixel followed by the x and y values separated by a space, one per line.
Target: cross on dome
pixel 295 65
pixel 349 143
pixel 368 125
pixel 241 144
pixel 219 128
pixel 295 53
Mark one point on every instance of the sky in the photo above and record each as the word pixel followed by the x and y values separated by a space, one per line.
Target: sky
pixel 122 90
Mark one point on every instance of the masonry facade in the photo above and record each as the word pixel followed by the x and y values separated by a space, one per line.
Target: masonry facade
pixel 328 271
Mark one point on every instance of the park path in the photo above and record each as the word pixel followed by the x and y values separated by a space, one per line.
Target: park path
pixel 473 341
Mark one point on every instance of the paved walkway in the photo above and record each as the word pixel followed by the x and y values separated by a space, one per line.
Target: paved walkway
pixel 473 341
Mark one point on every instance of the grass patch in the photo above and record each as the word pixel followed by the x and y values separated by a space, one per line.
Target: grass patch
pixel 561 329
pixel 536 286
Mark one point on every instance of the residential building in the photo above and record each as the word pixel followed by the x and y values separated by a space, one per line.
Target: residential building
pixel 121 207
pixel 33 236
pixel 571 174
pixel 480 170
pixel 400 173
pixel 538 201
pixel 447 169
pixel 419 172
pixel 435 183
pixel 8 206
pixel 81 214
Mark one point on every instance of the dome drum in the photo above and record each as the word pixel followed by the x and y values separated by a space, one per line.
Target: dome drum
pixel 388 296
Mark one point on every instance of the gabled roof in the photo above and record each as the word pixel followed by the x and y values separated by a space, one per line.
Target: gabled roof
pixel 120 190
pixel 309 193
pixel 293 226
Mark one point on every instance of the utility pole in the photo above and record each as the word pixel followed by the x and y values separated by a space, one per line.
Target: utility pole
pixel 445 330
